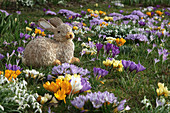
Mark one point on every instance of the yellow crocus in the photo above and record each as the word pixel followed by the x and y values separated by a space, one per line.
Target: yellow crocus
pixel 60 95
pixel 107 62
pixel 28 29
pixel 75 27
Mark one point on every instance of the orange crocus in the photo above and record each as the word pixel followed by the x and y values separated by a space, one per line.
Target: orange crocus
pixel 148 13
pixel 159 12
pixel 120 42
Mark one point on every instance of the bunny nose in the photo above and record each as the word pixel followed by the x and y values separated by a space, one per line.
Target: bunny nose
pixel 69 35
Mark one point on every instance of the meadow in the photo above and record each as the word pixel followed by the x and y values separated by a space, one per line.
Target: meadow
pixel 124 60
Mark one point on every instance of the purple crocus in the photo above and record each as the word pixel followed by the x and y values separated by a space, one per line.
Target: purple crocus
pixel 13 67
pixel 57 70
pixel 27 36
pixel 44 9
pixel 49 77
pixel 99 47
pixel 109 6
pixel 115 50
pixel 141 23
pixel 132 66
pixel 139 67
pixel 21 35
pixel 20 49
pixel 98 72
pixel 18 12
pixel 1 56
pixel 156 60
pixel 86 85
pixel 126 64
pixel 50 13
pixel 121 11
pixel 108 47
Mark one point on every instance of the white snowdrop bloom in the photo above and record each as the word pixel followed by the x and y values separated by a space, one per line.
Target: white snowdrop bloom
pixel 1 107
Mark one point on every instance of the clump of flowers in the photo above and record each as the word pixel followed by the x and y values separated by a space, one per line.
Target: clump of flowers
pixel 13 67
pixel 159 12
pixel 162 90
pixel 40 31
pixel 98 72
pixel 89 48
pixel 120 41
pixel 99 100
pixel 115 63
pixel 132 66
pixel 9 74
pixel 67 85
pixel 67 68
pixel 17 96
pixel 33 74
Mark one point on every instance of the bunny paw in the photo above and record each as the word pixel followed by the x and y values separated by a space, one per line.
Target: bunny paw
pixel 57 62
pixel 74 59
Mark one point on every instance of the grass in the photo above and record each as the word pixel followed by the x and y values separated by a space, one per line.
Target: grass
pixel 124 85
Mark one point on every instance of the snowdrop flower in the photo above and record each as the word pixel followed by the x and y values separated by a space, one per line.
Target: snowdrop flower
pixel 1 107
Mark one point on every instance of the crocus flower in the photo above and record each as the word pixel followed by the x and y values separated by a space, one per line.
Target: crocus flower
pixel 156 60
pixel 21 35
pixel 60 95
pixel 121 11
pixel 115 50
pixel 99 46
pixel 86 85
pixel 76 84
pixel 20 49
pixel 1 56
pixel 126 64
pixel 132 66
pixel 18 12
pixel 139 67
pixel 50 13
pixel 13 67
pixel 98 72
pixel 49 77
pixel 108 47
pixel 141 23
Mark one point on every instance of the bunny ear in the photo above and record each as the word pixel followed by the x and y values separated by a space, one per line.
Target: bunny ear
pixel 56 21
pixel 45 24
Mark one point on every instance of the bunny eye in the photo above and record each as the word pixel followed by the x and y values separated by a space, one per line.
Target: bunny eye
pixel 58 31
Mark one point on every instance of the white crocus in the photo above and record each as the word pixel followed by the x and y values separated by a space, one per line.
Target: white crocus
pixel 76 84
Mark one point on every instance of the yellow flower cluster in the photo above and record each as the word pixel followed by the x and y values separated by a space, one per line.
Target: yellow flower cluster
pixel 120 42
pixel 162 90
pixel 115 63
pixel 60 88
pixel 159 12
pixel 38 31
pixel 110 40
pixel 104 23
pixel 106 18
pixel 75 27
pixel 92 15
pixel 9 74
pixel 96 12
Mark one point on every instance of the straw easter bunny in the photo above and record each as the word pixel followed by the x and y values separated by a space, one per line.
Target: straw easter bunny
pixel 45 51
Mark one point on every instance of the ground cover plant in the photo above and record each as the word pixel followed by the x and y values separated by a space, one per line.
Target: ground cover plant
pixel 124 61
